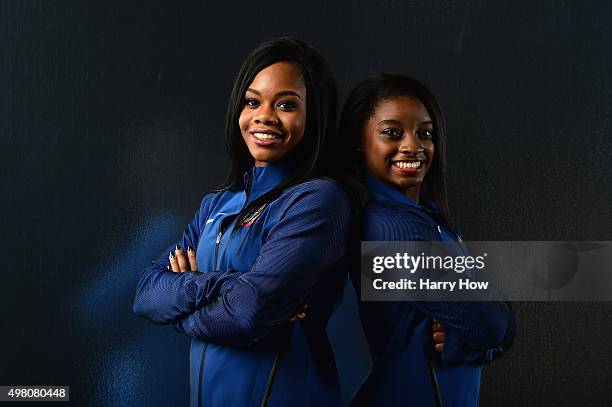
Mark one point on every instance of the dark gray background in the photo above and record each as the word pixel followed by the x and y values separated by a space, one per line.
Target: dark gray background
pixel 111 132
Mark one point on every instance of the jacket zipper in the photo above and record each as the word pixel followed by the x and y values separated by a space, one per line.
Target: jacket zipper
pixel 202 360
pixel 266 397
pixel 200 373
pixel 435 383
pixel 217 241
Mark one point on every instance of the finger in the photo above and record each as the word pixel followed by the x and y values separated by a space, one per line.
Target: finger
pixel 438 336
pixel 193 265
pixel 439 347
pixel 182 260
pixel 173 263
pixel 438 327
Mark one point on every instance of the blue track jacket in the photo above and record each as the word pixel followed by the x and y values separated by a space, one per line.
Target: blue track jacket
pixel 250 281
pixel 407 371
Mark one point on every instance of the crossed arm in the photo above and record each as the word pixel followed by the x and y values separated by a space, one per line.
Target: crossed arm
pixel 238 308
pixel 179 263
pixel 471 331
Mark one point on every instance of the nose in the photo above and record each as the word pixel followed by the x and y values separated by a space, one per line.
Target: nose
pixel 410 144
pixel 265 114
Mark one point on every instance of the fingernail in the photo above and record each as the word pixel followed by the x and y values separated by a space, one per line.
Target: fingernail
pixel 178 247
pixel 189 249
pixel 171 255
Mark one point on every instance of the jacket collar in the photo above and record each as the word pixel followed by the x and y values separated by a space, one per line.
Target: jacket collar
pixel 383 192
pixel 259 180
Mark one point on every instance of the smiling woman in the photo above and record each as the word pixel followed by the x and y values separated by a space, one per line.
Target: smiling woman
pixel 425 353
pixel 399 142
pixel 265 247
pixel 274 115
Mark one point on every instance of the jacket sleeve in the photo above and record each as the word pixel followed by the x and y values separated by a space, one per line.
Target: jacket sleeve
pixel 456 351
pixel 163 296
pixel 307 238
pixel 481 325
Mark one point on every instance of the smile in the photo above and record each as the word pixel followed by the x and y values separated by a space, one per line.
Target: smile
pixel 266 136
pixel 404 165
pixel 408 167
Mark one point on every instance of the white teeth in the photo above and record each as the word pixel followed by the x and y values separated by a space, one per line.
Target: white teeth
pixel 265 136
pixel 407 164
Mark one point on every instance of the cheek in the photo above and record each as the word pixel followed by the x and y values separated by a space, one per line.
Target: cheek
pixel 375 154
pixel 298 127
pixel 244 119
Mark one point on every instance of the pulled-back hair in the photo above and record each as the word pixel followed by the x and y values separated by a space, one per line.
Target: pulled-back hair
pixel 361 105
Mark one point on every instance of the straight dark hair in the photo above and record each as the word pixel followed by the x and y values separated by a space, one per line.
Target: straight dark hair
pixel 321 100
pixel 361 105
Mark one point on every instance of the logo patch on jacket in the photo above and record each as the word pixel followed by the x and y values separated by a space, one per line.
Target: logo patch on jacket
pixel 249 220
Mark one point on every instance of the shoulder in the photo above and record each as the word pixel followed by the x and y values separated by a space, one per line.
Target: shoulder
pixel 210 200
pixel 322 190
pixel 394 221
pixel 320 195
pixel 215 199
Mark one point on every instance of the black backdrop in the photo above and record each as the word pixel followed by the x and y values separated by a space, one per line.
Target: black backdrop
pixel 111 132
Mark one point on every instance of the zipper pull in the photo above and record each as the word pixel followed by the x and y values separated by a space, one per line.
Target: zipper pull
pixel 218 237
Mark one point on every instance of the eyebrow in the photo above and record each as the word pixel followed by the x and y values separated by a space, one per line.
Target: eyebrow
pixel 397 123
pixel 281 93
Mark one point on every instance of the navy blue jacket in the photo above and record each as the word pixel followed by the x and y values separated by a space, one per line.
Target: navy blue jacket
pixel 407 371
pixel 252 278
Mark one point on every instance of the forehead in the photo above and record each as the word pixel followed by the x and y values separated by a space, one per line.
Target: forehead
pixel 401 108
pixel 278 77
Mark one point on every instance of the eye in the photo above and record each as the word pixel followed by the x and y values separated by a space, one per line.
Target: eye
pixel 392 133
pixel 425 133
pixel 286 105
pixel 251 102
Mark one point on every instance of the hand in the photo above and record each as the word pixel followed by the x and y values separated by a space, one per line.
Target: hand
pixel 438 335
pixel 179 263
pixel 299 315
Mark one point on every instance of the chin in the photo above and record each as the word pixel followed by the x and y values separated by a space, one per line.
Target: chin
pixel 264 158
pixel 404 184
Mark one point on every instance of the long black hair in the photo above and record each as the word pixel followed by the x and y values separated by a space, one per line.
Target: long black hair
pixel 361 105
pixel 321 101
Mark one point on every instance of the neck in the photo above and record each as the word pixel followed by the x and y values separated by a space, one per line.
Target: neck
pixel 413 193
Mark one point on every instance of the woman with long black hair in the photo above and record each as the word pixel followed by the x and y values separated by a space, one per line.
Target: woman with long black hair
pixel 268 243
pixel 425 353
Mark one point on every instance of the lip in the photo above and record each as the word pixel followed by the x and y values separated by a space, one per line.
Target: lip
pixel 408 171
pixel 266 143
